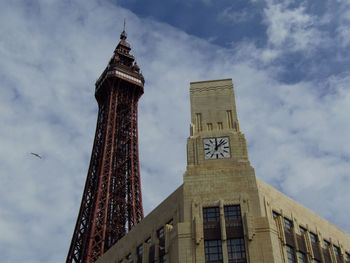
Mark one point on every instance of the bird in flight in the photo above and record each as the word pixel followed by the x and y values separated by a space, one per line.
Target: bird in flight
pixel 36 155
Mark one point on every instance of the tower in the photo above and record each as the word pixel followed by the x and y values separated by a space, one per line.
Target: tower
pixel 215 139
pixel 222 212
pixel 112 202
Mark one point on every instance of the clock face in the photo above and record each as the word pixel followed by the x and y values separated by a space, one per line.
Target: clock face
pixel 216 148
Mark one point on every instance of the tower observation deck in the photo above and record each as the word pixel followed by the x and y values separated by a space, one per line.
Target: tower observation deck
pixel 112 202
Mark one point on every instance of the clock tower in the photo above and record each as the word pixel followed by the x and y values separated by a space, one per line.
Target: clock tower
pixel 215 138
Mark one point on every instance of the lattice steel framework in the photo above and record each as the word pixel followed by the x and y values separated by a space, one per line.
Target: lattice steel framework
pixel 112 201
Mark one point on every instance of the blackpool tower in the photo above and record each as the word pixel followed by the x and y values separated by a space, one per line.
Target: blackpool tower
pixel 112 203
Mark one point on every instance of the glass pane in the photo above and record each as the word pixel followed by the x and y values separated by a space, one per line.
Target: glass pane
pixel 236 249
pixel 211 214
pixel 291 255
pixel 213 250
pixel 232 212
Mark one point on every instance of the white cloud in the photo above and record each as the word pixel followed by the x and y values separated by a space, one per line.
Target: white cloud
pixel 292 29
pixel 48 68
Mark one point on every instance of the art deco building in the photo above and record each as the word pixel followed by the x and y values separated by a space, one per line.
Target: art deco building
pixel 221 212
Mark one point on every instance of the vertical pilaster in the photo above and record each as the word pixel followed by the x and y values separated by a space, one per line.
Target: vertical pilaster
pixel 223 233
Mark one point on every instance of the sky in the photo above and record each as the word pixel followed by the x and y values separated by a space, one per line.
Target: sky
pixel 289 61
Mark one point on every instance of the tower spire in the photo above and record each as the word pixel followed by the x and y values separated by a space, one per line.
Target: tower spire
pixel 112 200
pixel 123 35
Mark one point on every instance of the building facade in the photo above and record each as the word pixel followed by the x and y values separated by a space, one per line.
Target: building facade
pixel 221 212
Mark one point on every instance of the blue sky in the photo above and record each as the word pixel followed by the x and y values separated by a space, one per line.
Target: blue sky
pixel 289 61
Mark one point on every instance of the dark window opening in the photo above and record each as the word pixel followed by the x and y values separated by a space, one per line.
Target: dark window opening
pixel 336 250
pixel 129 258
pixel 291 255
pixel 313 238
pixel 301 257
pixel 288 225
pixel 326 244
pixel 160 233
pixel 236 250
pixel 139 252
pixel 326 252
pixel 337 253
pixel 161 237
pixel 232 212
pixel 211 214
pixel 275 214
pixel 347 257
pixel 151 256
pixel 213 250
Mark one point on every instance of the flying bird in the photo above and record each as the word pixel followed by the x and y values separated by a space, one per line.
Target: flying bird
pixel 36 155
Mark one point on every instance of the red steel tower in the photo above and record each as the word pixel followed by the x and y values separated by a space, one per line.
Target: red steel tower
pixel 112 201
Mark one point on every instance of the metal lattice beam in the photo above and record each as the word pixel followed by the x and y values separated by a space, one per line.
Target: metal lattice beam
pixel 112 202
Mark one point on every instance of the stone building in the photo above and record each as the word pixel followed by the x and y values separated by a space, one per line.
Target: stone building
pixel 221 212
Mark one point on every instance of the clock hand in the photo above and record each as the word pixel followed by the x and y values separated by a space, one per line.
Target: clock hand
pixel 219 144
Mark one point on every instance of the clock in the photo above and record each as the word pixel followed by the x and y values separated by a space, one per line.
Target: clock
pixel 216 148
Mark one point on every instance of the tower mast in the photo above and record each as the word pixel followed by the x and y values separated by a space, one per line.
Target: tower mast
pixel 112 202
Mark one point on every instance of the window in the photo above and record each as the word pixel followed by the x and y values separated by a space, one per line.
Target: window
pixel 160 233
pixel 210 126
pixel 326 243
pixel 161 258
pixel 275 215
pixel 211 214
pixel 288 225
pixel 302 230
pixel 347 256
pixel 337 251
pixel 236 249
pixel 301 257
pixel 313 238
pixel 291 255
pixel 232 212
pixel 139 252
pixel 213 251
pixel 129 258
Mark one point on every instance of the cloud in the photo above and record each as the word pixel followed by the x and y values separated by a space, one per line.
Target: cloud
pixel 50 56
pixel 230 14
pixel 291 28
